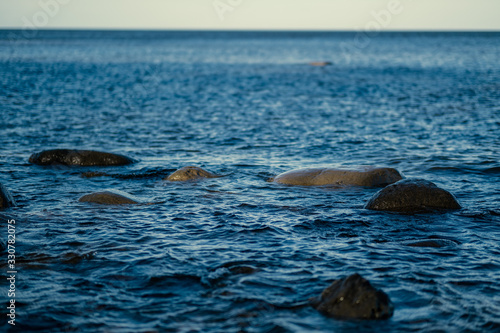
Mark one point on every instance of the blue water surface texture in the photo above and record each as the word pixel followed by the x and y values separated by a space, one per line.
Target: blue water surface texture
pixel 240 253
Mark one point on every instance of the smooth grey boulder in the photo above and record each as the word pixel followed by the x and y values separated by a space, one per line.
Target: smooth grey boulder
pixel 366 176
pixel 190 173
pixel 353 298
pixel 6 199
pixel 412 195
pixel 79 157
pixel 108 198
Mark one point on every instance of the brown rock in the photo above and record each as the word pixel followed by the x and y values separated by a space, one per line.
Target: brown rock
pixel 108 198
pixel 190 173
pixel 367 176
pixel 353 298
pixel 320 63
pixel 412 195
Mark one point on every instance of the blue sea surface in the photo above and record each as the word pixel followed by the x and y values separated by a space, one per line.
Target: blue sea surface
pixel 240 253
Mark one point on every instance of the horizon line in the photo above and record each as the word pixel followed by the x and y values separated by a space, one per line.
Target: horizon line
pixel 239 30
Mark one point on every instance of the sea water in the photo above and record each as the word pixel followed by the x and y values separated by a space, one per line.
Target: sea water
pixel 240 253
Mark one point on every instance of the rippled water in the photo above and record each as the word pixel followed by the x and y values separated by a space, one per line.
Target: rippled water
pixel 239 253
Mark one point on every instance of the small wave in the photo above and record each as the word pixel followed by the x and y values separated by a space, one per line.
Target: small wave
pixel 432 242
pixel 146 173
pixel 174 280
pixel 494 170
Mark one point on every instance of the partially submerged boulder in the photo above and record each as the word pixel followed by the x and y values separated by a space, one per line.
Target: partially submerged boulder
pixel 6 199
pixel 412 195
pixel 109 198
pixel 320 63
pixel 78 157
pixel 93 174
pixel 367 176
pixel 190 173
pixel 353 298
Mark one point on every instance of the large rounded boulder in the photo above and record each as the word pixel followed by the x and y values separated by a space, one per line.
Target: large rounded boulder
pixel 190 173
pixel 109 198
pixel 78 157
pixel 6 199
pixel 367 176
pixel 412 195
pixel 353 298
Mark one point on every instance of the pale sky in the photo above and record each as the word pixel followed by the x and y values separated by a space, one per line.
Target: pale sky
pixel 252 14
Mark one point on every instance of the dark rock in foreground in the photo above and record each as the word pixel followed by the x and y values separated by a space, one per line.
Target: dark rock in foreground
pixel 108 198
pixel 6 199
pixel 190 173
pixel 366 176
pixel 353 298
pixel 78 157
pixel 412 195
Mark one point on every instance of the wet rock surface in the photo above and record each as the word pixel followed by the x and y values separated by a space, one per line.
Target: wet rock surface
pixel 79 157
pixel 353 298
pixel 412 195
pixel 6 199
pixel 190 173
pixel 366 176
pixel 108 198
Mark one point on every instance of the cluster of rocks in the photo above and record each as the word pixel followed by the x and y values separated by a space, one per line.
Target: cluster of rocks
pixel 399 195
pixel 350 298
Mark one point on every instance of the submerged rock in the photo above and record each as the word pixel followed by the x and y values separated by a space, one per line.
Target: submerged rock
pixel 432 243
pixel 412 195
pixel 6 199
pixel 320 63
pixel 190 173
pixel 93 174
pixel 353 298
pixel 78 157
pixel 367 176
pixel 108 198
